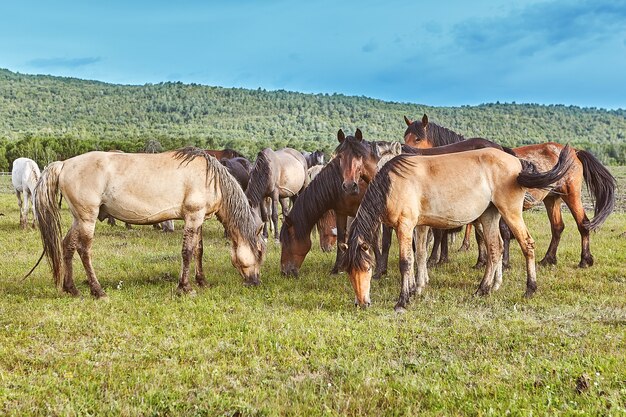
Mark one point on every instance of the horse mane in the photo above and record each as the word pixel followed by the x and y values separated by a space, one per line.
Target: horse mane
pixel 259 177
pixel 317 198
pixel 233 153
pixel 234 212
pixel 368 218
pixel 438 135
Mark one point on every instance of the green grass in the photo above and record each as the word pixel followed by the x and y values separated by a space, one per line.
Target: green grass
pixel 298 346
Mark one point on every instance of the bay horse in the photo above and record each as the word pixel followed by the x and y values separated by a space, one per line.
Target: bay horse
pixel 24 176
pixel 144 189
pixel 445 191
pixel 239 168
pixel 279 175
pixel 327 224
pixel 313 158
pixel 586 167
pixel 325 192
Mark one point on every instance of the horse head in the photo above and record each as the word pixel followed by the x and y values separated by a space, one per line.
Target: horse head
pixel 416 133
pixel 293 248
pixel 357 160
pixel 318 157
pixel 247 253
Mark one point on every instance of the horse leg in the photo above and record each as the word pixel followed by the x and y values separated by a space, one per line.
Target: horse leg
pixel 516 223
pixel 69 247
pixel 284 205
pixel 381 265
pixel 405 241
pixel 480 243
pixel 505 233
pixel 553 208
pixel 20 204
pixel 275 199
pixel 199 250
pixel 264 218
pixel 465 246
pixel 190 245
pixel 573 201
pixel 85 231
pixel 443 258
pixel 342 224
pixel 492 277
pixel 420 238
pixel 434 254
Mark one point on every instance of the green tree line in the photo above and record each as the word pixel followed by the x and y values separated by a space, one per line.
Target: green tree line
pixel 50 118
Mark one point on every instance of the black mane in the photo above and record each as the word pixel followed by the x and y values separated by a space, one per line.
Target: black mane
pixel 259 177
pixel 318 197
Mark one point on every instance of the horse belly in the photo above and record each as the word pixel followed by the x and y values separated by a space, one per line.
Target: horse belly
pixel 452 208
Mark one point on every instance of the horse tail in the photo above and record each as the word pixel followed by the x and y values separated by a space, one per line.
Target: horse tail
pixel 529 177
pixel 601 185
pixel 48 216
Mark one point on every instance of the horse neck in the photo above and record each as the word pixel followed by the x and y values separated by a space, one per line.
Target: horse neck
pixel 260 177
pixel 321 195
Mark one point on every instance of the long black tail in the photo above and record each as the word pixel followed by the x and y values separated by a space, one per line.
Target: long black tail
pixel 601 185
pixel 530 178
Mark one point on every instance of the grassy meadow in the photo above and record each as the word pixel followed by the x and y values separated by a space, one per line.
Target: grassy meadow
pixel 299 346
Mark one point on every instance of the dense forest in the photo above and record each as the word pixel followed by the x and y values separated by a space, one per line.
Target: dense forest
pixel 50 118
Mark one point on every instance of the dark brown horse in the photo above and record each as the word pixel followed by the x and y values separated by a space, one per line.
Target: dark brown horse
pixel 327 191
pixel 239 168
pixel 327 224
pixel 600 183
pixel 313 158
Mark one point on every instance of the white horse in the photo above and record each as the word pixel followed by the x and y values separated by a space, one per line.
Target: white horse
pixel 24 176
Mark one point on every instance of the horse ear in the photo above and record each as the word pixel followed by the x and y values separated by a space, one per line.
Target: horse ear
pixel 408 121
pixel 358 134
pixel 341 136
pixel 424 120
pixel 396 148
pixel 343 246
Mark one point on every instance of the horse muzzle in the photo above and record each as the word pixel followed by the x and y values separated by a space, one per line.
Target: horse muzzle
pixel 350 187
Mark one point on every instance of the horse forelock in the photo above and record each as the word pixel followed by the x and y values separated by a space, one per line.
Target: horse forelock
pixel 317 198
pixel 259 177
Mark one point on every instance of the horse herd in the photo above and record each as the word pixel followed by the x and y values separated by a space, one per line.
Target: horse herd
pixel 437 179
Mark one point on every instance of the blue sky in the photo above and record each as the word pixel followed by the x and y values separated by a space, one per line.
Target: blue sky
pixel 444 53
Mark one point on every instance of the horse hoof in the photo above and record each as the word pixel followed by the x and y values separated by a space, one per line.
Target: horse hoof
pixel 529 293
pixel 73 291
pixel 202 283
pixel 399 309
pixel 547 262
pixel 585 263
pixel 187 290
pixel 482 292
pixel 99 295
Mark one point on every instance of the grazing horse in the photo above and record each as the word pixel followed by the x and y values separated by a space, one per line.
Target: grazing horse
pixel 586 167
pixel 313 158
pixel 327 224
pixel 224 153
pixel 144 189
pixel 280 175
pixel 325 192
pixel 24 176
pixel 445 191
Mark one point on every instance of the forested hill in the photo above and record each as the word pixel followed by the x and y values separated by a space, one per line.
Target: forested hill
pixel 49 118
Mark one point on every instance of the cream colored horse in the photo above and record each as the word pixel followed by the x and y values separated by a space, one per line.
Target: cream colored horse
pixel 444 192
pixel 24 176
pixel 131 187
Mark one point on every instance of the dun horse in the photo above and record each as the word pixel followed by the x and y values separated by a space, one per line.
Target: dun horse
pixel 24 176
pixel 445 191
pixel 600 183
pixel 144 189
pixel 280 175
